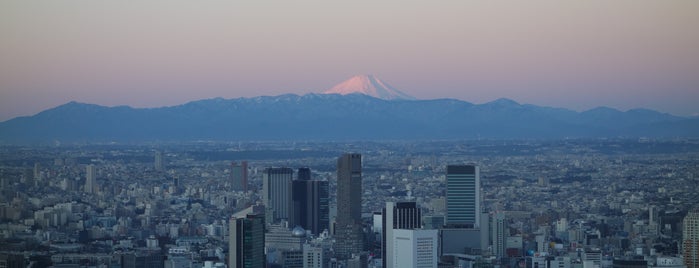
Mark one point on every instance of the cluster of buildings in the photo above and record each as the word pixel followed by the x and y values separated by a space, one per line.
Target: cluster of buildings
pixel 139 208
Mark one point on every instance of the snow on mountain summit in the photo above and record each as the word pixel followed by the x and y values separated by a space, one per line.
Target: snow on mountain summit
pixel 368 85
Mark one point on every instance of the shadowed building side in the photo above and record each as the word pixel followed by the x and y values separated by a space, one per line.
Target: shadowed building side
pixel 348 231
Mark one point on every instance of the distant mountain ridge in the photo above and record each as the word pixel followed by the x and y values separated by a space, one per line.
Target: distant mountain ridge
pixel 335 117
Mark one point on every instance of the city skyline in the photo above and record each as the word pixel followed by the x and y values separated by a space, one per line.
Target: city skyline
pixel 556 207
pixel 621 54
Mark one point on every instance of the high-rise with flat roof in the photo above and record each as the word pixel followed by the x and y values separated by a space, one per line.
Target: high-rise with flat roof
pixel 276 192
pixel 90 178
pixel 463 196
pixel 239 176
pixel 246 244
pixel 690 239
pixel 349 236
pixel 158 161
pixel 499 235
pixel 415 248
pixel 309 202
pixel 397 215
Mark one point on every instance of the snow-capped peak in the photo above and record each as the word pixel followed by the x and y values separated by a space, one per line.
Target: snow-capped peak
pixel 368 85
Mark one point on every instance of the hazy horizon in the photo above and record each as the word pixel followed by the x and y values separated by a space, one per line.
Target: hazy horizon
pixel 579 55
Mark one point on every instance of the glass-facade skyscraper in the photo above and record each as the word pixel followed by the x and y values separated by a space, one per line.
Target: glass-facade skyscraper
pixel 463 196
pixel 276 193
pixel 309 203
pixel 246 244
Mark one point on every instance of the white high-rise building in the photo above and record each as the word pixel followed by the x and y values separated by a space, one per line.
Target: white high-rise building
pixel 397 215
pixel 415 248
pixel 499 235
pixel 90 177
pixel 313 257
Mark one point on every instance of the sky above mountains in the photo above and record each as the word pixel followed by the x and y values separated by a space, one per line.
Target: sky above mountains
pixel 578 55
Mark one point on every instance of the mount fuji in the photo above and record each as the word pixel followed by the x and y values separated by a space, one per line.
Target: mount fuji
pixel 369 85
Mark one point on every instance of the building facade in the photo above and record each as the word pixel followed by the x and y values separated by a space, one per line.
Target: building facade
pixel 690 239
pixel 276 193
pixel 415 248
pixel 349 236
pixel 397 215
pixel 463 196
pixel 239 176
pixel 499 235
pixel 246 244
pixel 90 178
pixel 309 203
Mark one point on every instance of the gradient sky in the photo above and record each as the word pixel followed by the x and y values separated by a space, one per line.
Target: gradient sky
pixel 571 54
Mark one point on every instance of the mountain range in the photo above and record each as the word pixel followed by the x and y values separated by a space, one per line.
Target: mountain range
pixel 335 117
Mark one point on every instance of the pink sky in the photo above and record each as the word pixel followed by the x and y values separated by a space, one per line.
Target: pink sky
pixel 578 55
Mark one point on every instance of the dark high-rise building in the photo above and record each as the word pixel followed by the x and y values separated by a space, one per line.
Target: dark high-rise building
pixel 463 196
pixel 276 192
pixel 349 236
pixel 239 176
pixel 309 202
pixel 246 244
pixel 397 215
pixel 304 174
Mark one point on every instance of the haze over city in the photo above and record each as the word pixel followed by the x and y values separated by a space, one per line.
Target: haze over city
pixel 576 55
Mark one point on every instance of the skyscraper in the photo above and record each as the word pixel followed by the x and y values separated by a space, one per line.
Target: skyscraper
pixel 463 196
pixel 159 165
pixel 690 238
pixel 239 176
pixel 37 172
pixel 397 215
pixel 414 248
pixel 309 202
pixel 276 192
pixel 348 230
pixel 246 243
pixel 499 234
pixel 90 177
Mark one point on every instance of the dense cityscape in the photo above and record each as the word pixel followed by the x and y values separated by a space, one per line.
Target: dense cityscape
pixel 595 203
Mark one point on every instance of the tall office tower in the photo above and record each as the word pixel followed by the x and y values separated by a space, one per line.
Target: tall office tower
pixel 246 243
pixel 276 192
pixel 239 176
pixel 349 236
pixel 309 202
pixel 690 239
pixel 397 215
pixel 499 235
pixel 159 165
pixel 415 248
pixel 652 214
pixel 37 172
pixel 463 196
pixel 90 177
